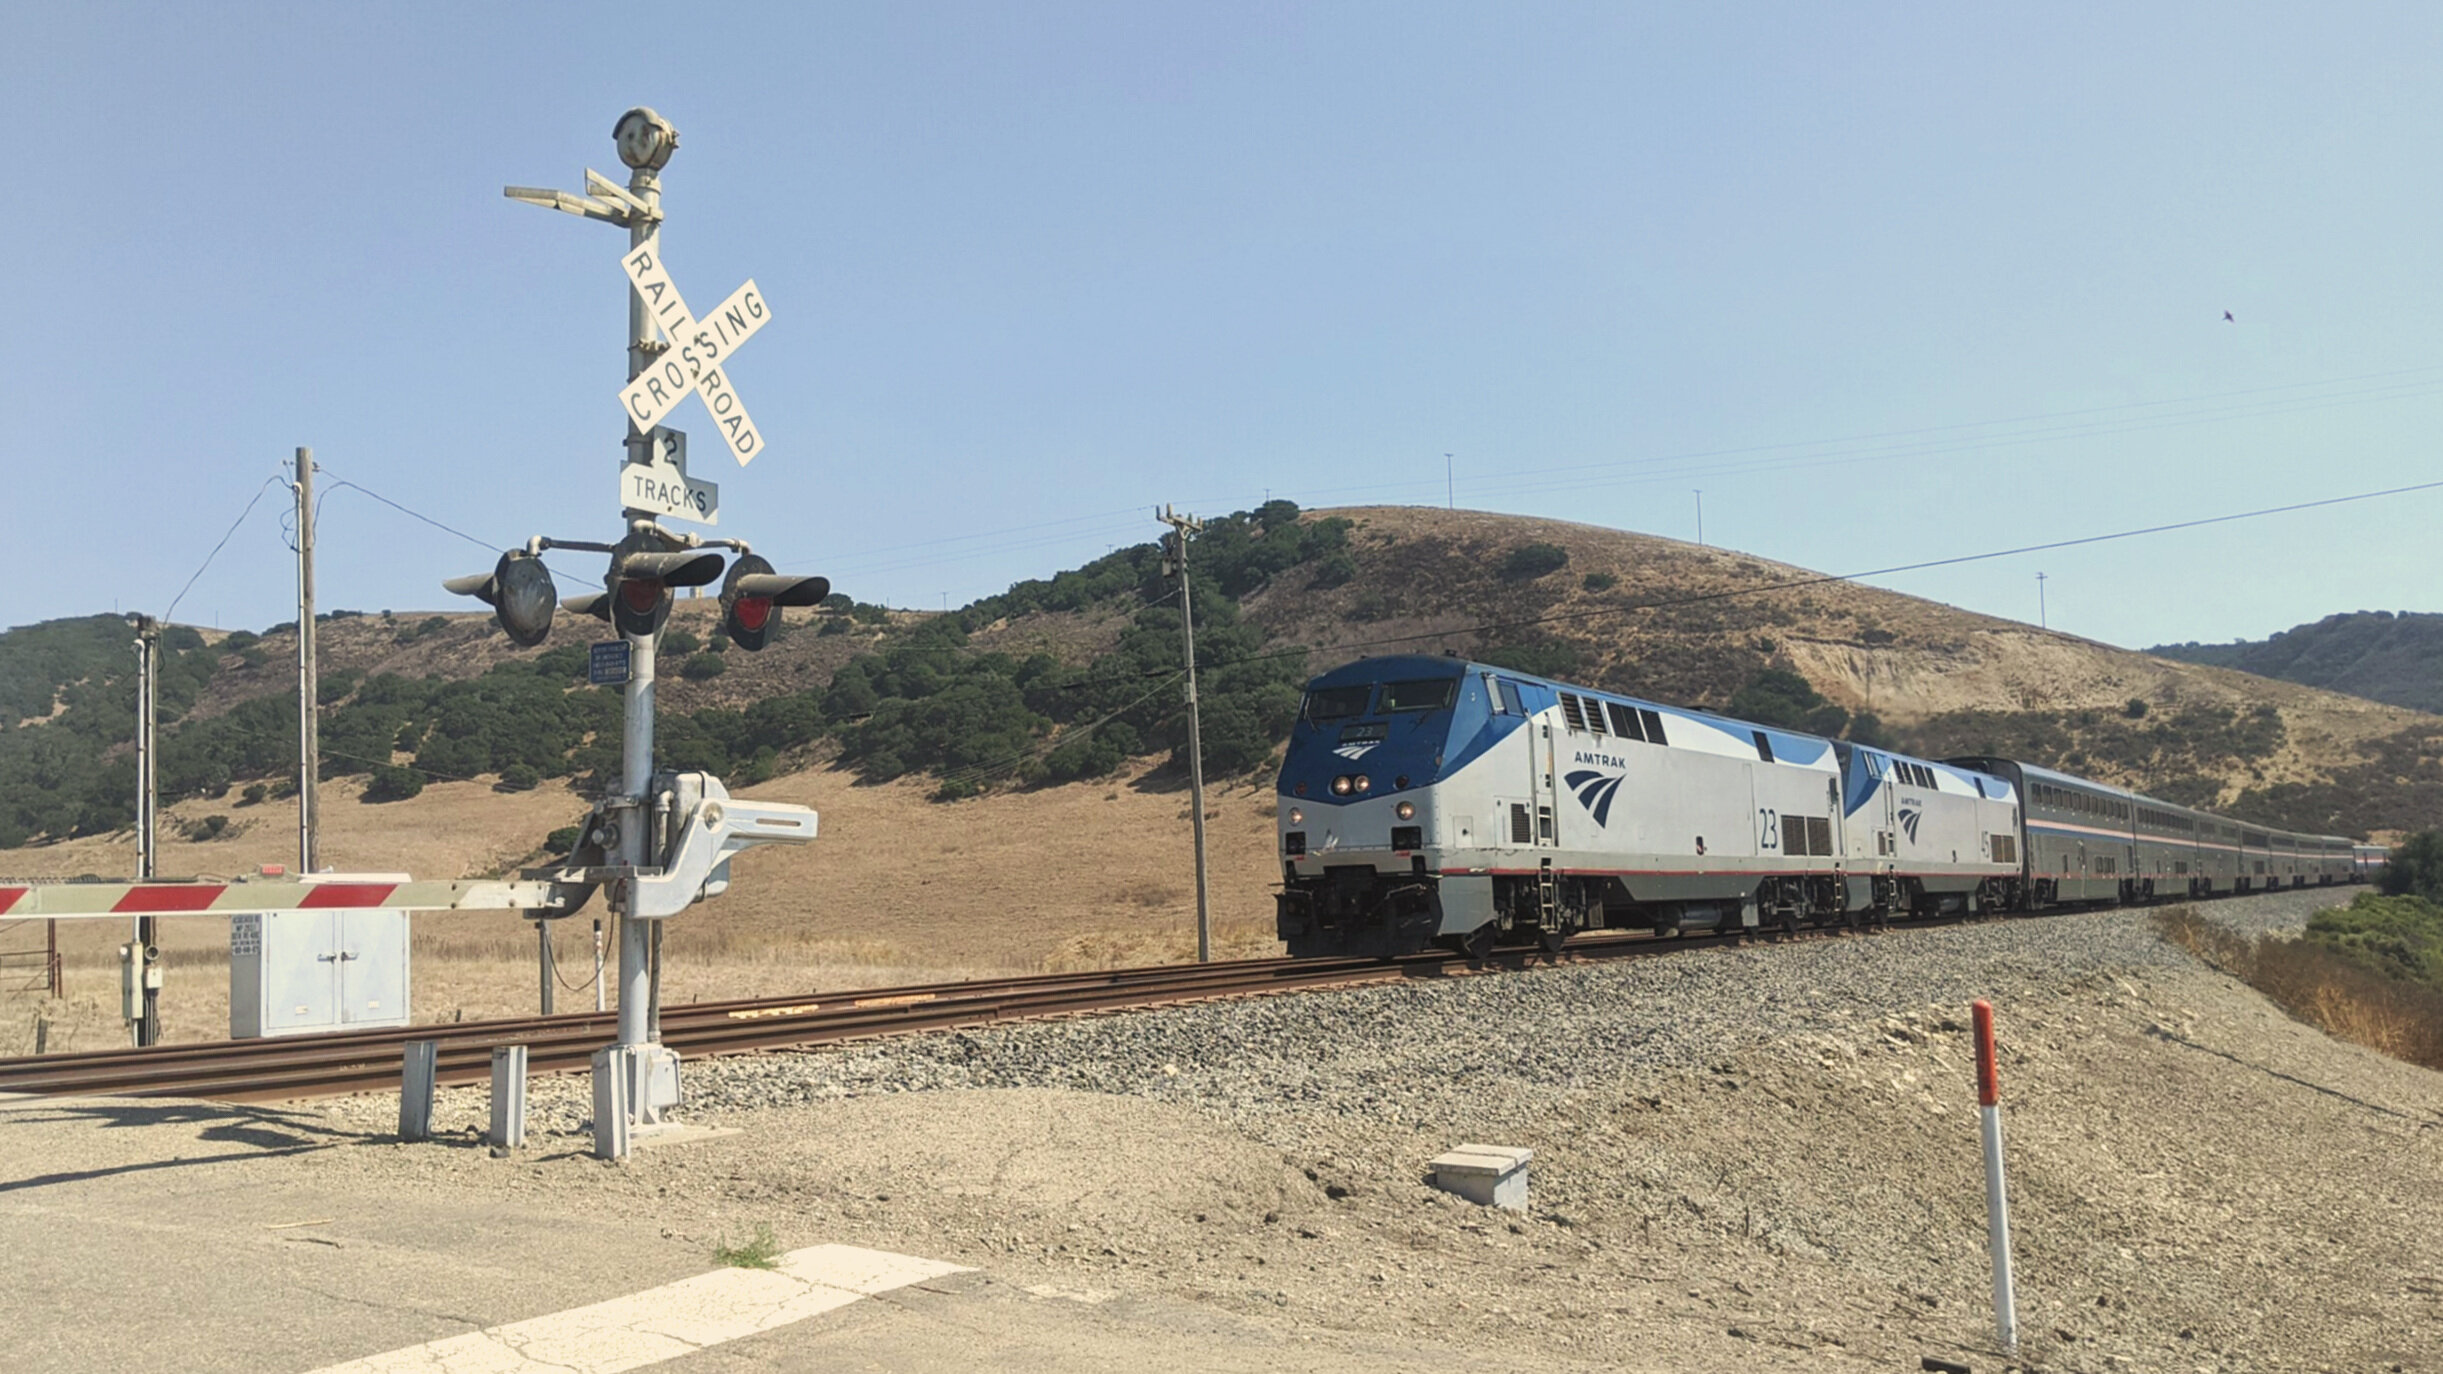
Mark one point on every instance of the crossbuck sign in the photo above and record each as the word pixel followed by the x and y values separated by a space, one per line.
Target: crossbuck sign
pixel 692 361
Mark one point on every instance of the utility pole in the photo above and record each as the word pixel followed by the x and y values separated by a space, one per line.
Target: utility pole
pixel 2040 620
pixel 309 687
pixel 142 960
pixel 1177 564
pixel 1700 517
pixel 1450 485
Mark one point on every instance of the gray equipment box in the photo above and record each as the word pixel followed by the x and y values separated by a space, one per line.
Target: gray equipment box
pixel 297 972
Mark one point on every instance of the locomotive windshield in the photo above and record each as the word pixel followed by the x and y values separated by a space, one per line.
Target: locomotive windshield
pixel 1432 694
pixel 1338 703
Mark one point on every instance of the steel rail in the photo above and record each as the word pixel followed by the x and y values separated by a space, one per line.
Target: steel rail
pixel 290 1069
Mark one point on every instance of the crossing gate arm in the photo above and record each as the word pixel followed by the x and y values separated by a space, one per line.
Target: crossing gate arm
pixel 324 892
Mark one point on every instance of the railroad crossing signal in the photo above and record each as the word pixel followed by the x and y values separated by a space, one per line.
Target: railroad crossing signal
pixel 640 586
pixel 752 595
pixel 520 593
pixel 690 361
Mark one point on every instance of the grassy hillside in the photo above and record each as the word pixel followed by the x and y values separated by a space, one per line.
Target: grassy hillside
pixel 2373 654
pixel 1074 679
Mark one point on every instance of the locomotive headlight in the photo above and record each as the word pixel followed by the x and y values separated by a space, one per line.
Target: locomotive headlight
pixel 1406 811
pixel 1361 782
pixel 1341 785
pixel 1296 816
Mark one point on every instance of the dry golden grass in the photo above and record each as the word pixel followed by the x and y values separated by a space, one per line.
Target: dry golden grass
pixel 2329 991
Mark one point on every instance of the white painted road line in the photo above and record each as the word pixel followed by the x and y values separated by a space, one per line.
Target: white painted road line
pixel 666 1322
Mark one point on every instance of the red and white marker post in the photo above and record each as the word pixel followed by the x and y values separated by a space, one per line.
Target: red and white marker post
pixel 1997 1204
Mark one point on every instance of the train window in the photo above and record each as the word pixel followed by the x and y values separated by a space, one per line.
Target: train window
pixel 1338 703
pixel 1980 785
pixel 1430 694
pixel 1764 747
pixel 1874 765
pixel 1520 831
pixel 1509 697
pixel 1654 726
pixel 1624 721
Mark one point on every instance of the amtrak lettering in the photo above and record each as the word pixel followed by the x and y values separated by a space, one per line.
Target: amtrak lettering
pixel 1600 760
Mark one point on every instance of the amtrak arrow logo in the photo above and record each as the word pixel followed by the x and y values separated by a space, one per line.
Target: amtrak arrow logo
pixel 1908 821
pixel 1595 791
pixel 1354 752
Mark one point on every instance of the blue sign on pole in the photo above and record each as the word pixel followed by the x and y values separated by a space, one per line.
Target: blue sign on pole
pixel 607 665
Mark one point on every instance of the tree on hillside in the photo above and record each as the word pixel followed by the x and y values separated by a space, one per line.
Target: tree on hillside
pixel 1777 696
pixel 2415 868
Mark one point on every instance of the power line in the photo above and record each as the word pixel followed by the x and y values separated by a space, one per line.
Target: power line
pixel 337 482
pixel 268 484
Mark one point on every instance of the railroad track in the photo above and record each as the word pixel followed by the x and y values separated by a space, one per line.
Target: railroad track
pixel 288 1069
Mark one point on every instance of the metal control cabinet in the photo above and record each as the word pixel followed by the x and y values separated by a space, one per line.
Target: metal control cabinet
pixel 296 972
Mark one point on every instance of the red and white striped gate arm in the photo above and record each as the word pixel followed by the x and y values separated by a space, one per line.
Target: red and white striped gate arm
pixel 325 892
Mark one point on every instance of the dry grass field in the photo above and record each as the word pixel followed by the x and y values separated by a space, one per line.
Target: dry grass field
pixel 898 889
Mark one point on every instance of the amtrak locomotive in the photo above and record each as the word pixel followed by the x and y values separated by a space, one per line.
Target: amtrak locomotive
pixel 1434 801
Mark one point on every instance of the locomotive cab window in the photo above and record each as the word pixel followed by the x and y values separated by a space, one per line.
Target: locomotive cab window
pixel 1654 726
pixel 1431 694
pixel 1338 703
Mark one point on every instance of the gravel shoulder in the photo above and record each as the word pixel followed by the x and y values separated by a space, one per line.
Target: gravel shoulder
pixel 1764 1158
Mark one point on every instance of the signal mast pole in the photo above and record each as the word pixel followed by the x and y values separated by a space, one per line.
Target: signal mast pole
pixel 1181 527
pixel 638 1017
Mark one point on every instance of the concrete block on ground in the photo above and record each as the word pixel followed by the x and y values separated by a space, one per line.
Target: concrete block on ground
pixel 1487 1175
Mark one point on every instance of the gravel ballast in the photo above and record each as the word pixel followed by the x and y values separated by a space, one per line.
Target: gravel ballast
pixel 1759 1157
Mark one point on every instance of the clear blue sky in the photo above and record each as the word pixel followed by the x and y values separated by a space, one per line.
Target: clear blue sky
pixel 1887 282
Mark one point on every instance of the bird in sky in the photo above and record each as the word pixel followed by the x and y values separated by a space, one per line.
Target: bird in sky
pixel 2226 316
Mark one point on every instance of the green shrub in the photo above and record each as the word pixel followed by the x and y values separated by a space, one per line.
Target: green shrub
pixel 2415 868
pixel 1333 570
pixel 393 783
pixel 206 828
pixel 2401 936
pixel 252 796
pixel 678 642
pixel 1600 582
pixel 519 777
pixel 704 668
pixel 1528 562
pixel 239 641
pixel 564 839
pixel 1777 696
